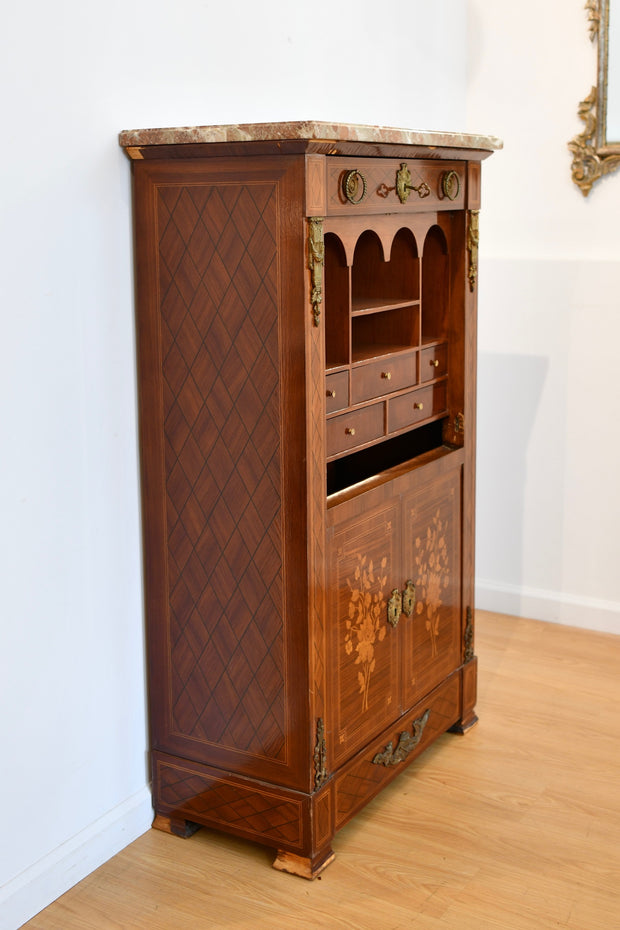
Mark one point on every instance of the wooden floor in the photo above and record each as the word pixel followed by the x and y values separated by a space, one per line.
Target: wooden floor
pixel 514 826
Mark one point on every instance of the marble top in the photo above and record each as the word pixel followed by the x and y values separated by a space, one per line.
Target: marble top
pixel 308 131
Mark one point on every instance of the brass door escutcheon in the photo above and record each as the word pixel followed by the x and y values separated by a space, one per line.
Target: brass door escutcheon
pixel 409 598
pixel 404 185
pixel 395 607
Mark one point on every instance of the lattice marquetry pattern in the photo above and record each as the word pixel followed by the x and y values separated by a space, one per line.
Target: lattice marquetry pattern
pixel 219 315
pixel 253 811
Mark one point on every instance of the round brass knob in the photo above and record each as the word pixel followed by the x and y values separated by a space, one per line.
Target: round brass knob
pixel 350 431
pixel 387 375
pixel 331 393
pixel 418 406
pixel 435 362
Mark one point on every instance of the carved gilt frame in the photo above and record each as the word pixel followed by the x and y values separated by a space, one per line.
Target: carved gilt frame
pixel 593 156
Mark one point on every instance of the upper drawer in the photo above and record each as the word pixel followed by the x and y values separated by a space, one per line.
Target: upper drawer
pixel 433 362
pixel 390 185
pixel 337 391
pixel 355 428
pixel 382 377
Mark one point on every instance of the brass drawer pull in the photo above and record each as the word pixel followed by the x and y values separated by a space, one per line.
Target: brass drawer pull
pixel 350 431
pixel 387 375
pixel 450 185
pixel 354 186
pixel 331 393
pixel 418 406
pixel 406 743
pixel 434 362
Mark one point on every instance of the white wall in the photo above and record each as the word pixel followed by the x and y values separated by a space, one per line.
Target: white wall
pixel 549 393
pixel 73 772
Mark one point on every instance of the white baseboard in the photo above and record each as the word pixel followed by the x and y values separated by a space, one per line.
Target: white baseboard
pixel 553 606
pixel 45 880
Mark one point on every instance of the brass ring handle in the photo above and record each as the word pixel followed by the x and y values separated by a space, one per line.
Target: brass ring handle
pixel 418 406
pixel 387 375
pixel 354 186
pixel 350 431
pixel 450 185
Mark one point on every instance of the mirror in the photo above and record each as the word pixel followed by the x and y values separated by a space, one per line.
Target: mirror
pixel 596 150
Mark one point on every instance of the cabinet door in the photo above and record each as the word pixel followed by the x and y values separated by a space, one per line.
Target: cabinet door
pixel 364 567
pixel 431 637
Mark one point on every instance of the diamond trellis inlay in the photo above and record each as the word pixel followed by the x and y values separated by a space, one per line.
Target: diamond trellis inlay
pixel 219 308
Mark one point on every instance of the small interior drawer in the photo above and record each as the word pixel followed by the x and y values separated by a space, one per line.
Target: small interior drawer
pixel 433 362
pixel 383 377
pixel 355 428
pixel 337 391
pixel 412 408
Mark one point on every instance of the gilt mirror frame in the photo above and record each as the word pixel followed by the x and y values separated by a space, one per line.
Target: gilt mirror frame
pixel 593 155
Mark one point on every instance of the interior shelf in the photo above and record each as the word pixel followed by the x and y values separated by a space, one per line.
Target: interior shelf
pixel 361 306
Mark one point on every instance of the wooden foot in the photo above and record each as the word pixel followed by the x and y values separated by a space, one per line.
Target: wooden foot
pixel 299 865
pixel 463 726
pixel 175 826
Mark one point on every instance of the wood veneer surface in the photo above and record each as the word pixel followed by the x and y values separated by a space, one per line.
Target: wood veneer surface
pixel 513 827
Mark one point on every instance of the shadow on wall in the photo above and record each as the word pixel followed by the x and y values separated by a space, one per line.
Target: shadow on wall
pixel 509 393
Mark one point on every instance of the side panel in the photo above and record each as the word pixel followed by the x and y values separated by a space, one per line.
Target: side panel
pixel 220 259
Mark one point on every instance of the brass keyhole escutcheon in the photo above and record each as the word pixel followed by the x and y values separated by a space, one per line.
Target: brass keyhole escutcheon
pixel 354 186
pixel 395 607
pixel 404 185
pixel 409 598
pixel 450 185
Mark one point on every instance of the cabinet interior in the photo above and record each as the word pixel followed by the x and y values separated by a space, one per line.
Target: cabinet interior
pixel 387 318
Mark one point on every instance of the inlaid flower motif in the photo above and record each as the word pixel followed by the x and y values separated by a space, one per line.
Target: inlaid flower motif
pixel 365 625
pixel 433 574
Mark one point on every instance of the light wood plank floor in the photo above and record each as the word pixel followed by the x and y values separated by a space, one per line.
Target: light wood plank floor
pixel 513 827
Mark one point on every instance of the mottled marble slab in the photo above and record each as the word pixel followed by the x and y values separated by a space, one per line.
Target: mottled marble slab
pixel 308 131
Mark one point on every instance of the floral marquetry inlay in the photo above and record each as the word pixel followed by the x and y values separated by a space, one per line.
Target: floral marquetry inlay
pixel 433 574
pixel 365 624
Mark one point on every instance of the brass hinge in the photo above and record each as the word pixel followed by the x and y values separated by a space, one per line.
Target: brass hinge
pixel 468 636
pixel 320 754
pixel 316 258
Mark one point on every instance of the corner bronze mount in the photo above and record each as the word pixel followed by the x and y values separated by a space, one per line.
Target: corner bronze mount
pixel 406 743
pixel 320 754
pixel 316 258
pixel 473 239
pixel 468 636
